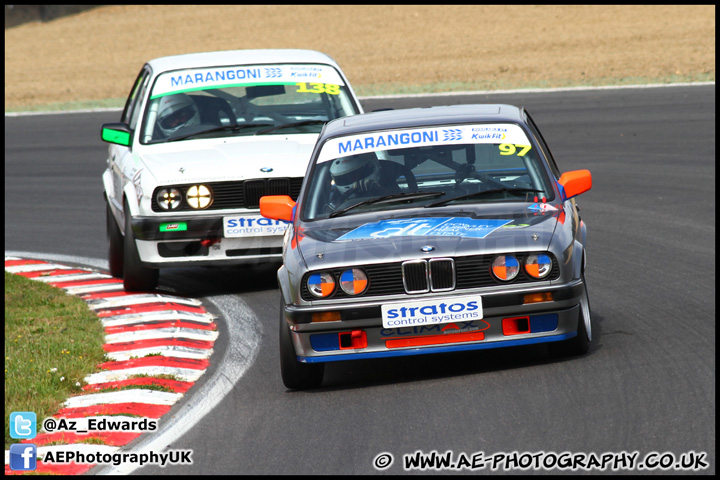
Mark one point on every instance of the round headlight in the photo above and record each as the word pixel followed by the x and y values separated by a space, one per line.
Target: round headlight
pixel 505 267
pixel 199 196
pixel 353 281
pixel 321 284
pixel 169 198
pixel 538 266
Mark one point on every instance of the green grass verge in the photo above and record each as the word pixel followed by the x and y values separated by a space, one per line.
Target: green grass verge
pixel 52 342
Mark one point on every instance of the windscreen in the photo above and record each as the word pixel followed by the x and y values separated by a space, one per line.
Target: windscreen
pixel 244 100
pixel 425 167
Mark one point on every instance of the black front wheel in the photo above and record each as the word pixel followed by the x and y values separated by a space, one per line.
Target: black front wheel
pixel 296 375
pixel 136 277
pixel 116 248
pixel 580 344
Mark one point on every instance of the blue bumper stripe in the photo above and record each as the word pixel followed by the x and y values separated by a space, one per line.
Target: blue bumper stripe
pixel 543 323
pixel 430 350
pixel 324 342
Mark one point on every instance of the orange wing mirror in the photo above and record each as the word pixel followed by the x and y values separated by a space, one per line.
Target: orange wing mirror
pixel 278 207
pixel 574 183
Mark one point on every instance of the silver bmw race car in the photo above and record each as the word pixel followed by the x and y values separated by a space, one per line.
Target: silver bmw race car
pixel 430 230
pixel 202 137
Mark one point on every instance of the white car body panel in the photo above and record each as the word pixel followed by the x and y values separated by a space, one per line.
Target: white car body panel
pixel 136 170
pixel 236 158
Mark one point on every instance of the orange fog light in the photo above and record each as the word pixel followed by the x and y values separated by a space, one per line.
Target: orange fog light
pixel 538 297
pixel 326 317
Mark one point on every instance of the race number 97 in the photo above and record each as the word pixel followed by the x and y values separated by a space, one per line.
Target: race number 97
pixel 510 149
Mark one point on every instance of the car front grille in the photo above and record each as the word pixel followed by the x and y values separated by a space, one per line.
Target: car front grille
pixel 236 194
pixel 433 275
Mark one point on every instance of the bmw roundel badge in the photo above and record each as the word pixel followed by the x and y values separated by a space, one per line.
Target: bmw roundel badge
pixel 427 249
pixel 266 169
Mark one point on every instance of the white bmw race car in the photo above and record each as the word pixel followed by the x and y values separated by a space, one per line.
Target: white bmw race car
pixel 201 138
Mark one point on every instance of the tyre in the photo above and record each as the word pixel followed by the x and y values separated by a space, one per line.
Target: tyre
pixel 136 277
pixel 580 344
pixel 296 375
pixel 115 251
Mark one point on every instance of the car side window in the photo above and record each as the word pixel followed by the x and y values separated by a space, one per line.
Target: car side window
pixel 543 146
pixel 133 104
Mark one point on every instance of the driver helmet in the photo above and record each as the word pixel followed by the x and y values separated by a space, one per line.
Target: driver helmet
pixel 175 112
pixel 346 171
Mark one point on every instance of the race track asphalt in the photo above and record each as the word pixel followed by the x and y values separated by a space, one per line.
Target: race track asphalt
pixel 647 385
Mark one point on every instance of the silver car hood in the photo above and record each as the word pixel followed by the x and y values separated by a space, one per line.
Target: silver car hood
pixel 365 239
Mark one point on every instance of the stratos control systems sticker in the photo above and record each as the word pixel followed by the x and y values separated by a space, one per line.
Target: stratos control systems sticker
pixel 432 312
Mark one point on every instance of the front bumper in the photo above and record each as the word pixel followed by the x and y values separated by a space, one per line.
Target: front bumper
pixel 506 322
pixel 194 240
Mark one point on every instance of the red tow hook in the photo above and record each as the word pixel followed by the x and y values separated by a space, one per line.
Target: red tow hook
pixel 209 242
pixel 352 339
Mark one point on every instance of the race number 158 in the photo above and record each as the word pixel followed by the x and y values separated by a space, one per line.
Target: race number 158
pixel 318 88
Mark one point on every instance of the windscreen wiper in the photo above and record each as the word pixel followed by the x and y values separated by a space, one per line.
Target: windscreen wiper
pixel 482 194
pixel 387 199
pixel 290 125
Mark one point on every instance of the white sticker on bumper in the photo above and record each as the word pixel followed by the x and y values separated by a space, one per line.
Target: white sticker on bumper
pixel 432 312
pixel 252 226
